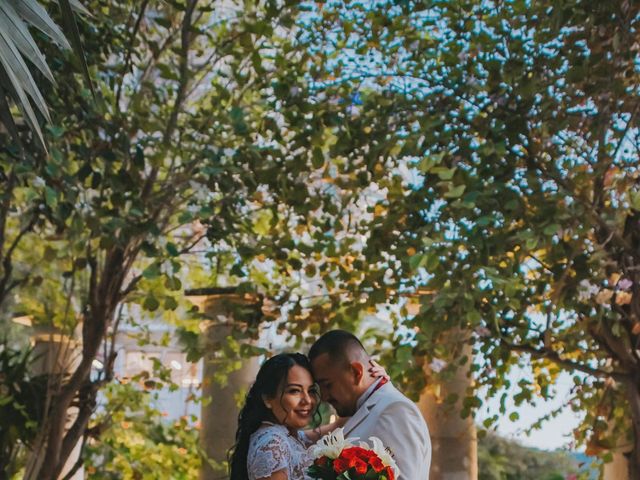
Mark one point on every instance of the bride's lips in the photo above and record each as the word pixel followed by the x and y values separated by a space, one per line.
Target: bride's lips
pixel 304 413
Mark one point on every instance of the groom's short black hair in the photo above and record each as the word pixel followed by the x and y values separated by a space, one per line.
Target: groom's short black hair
pixel 337 343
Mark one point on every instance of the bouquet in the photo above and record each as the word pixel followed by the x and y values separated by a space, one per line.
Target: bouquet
pixel 337 458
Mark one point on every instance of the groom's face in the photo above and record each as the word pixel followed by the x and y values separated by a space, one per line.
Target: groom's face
pixel 338 383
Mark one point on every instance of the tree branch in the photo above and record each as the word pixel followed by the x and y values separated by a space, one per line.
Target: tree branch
pixel 185 44
pixel 79 462
pixel 78 429
pixel 186 36
pixel 132 37
pixel 618 346
pixel 7 260
pixel 568 364
pixel 153 59
pixel 4 211
pixel 571 191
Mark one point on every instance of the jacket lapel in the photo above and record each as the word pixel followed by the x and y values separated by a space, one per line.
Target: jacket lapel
pixel 364 410
pixel 356 420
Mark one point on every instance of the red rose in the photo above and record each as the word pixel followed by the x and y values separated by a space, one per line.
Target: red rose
pixel 352 452
pixel 389 473
pixel 340 465
pixel 376 463
pixel 322 461
pixel 360 466
pixel 349 453
pixel 365 454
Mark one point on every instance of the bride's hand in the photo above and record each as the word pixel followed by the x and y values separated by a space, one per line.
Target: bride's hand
pixel 377 371
pixel 340 421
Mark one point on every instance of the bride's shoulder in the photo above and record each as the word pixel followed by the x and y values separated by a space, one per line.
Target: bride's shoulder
pixel 269 451
pixel 269 433
pixel 267 442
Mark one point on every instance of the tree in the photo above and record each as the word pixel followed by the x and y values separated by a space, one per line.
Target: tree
pixel 520 122
pixel 205 145
pixel 500 458
pixel 343 158
pixel 123 175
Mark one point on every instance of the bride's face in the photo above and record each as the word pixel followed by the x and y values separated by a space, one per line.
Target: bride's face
pixel 296 402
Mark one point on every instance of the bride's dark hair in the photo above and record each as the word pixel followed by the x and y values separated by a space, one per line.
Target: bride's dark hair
pixel 271 376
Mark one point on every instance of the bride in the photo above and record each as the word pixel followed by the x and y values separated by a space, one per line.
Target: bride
pixel 270 441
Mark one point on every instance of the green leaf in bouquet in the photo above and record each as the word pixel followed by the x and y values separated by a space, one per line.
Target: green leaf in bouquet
pixel 371 474
pixel 322 472
pixel 314 471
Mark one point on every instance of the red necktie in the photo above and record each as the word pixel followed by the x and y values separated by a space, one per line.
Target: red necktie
pixel 382 381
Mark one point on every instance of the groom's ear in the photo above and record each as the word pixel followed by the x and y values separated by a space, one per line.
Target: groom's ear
pixel 357 369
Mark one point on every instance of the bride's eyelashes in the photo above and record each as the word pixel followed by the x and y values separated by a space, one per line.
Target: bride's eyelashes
pixel 298 390
pixel 312 392
pixel 294 392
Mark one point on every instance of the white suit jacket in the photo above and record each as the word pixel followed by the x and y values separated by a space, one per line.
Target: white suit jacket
pixel 394 419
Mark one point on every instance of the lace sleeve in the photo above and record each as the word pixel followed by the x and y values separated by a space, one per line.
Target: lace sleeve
pixel 268 453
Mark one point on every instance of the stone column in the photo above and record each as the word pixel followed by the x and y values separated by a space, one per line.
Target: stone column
pixel 618 468
pixel 58 355
pixel 219 414
pixel 453 439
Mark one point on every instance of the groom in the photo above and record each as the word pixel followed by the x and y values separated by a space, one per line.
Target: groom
pixel 340 366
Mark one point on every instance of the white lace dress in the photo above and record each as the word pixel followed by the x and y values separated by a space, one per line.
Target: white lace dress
pixel 272 448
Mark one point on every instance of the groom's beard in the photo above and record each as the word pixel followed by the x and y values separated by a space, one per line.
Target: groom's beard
pixel 344 411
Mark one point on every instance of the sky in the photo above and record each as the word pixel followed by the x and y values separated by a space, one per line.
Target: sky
pixel 555 433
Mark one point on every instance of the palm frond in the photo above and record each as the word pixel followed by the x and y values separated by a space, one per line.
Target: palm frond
pixel 78 7
pixel 34 14
pixel 18 31
pixel 71 27
pixel 17 44
pixel 14 64
pixel 17 94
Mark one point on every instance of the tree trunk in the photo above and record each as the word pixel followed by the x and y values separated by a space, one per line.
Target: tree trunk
pixel 60 434
pixel 454 440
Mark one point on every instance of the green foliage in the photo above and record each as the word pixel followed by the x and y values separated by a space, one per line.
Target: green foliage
pixel 21 406
pixel 136 441
pixel 476 161
pixel 520 227
pixel 206 159
pixel 501 459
